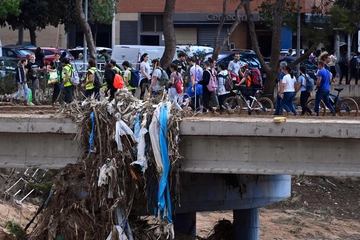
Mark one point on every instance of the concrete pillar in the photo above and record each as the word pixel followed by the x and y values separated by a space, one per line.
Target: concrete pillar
pixel 246 223
pixel 185 223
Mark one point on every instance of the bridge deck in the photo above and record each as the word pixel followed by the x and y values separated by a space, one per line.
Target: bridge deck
pixel 328 147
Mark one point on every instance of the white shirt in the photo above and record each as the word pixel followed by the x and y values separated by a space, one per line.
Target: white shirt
pixel 146 67
pixel 234 67
pixel 157 73
pixel 289 83
pixel 221 82
pixel 333 61
pixel 199 72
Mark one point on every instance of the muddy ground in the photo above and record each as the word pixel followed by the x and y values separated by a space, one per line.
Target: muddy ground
pixel 319 208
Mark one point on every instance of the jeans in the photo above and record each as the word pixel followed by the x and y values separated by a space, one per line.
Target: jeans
pixel 56 93
pixel 278 106
pixel 142 86
pixel 287 102
pixel 68 94
pixel 344 72
pixel 206 99
pixel 221 99
pixel 303 102
pixel 23 90
pixel 354 73
pixel 322 95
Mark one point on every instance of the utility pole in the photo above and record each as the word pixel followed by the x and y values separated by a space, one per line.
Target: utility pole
pixel 85 42
pixel 298 39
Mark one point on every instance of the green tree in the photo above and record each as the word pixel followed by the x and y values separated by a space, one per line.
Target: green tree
pixel 9 7
pixel 345 15
pixel 281 13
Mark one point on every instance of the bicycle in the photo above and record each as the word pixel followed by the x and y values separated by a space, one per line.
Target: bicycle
pixel 261 105
pixel 345 106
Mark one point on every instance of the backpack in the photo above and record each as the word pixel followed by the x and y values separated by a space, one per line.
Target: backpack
pixel 74 78
pixel 353 63
pixel 134 78
pixel 256 78
pixel 229 85
pixel 118 81
pixel 164 79
pixel 98 80
pixel 343 61
pixel 309 83
pixel 212 85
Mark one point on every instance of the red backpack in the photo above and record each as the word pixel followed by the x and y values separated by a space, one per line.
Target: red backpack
pixel 256 78
pixel 118 81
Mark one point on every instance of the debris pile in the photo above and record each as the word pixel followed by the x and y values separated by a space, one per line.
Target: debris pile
pixel 129 154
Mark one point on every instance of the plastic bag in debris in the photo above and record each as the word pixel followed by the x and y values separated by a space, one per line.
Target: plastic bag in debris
pixel 155 139
pixel 164 199
pixel 108 172
pixel 122 129
pixel 121 232
pixel 141 158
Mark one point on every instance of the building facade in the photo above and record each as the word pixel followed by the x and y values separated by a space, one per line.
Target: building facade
pixel 140 22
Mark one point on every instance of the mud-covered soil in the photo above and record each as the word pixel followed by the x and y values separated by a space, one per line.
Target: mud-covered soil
pixel 319 208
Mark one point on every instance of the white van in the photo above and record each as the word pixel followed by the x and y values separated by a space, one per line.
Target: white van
pixel 132 53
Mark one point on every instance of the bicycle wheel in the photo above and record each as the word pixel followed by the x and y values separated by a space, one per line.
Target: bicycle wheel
pixel 322 108
pixel 263 106
pixel 233 104
pixel 347 107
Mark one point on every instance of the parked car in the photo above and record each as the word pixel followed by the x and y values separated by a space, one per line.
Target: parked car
pixel 15 51
pixel 248 56
pixel 311 68
pixel 49 53
pixel 75 51
pixel 8 65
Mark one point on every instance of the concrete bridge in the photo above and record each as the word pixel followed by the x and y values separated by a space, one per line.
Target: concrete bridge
pixel 263 154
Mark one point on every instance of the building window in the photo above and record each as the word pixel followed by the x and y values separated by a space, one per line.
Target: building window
pixel 152 23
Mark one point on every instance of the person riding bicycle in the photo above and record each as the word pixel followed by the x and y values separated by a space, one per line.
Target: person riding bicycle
pixel 245 84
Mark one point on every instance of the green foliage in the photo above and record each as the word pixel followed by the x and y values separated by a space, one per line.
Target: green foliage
pixel 9 7
pixel 266 12
pixel 345 15
pixel 15 229
pixel 7 85
pixel 102 11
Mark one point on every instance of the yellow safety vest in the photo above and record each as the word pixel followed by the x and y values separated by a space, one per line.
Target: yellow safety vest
pixel 91 85
pixel 69 69
pixel 128 80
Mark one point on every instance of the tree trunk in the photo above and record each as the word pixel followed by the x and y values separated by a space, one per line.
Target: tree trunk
pixel 86 28
pixel 218 46
pixel 169 33
pixel 32 35
pixel 94 32
pixel 272 70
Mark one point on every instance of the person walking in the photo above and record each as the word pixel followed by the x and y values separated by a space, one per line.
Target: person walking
pixel 127 77
pixel 144 74
pixel 332 64
pixel 176 82
pixel 287 91
pixel 66 83
pixel 55 67
pixel 21 82
pixel 344 68
pixel 90 89
pixel 234 69
pixel 194 90
pixel 278 106
pixel 33 75
pixel 204 82
pixel 221 90
pixel 304 96
pixel 323 88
